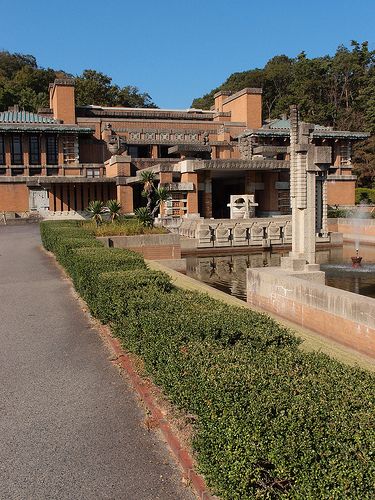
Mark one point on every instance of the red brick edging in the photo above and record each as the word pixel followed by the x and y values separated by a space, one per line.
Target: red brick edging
pixel 182 456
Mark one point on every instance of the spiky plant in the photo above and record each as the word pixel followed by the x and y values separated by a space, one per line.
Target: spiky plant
pixel 95 210
pixel 144 216
pixel 114 208
pixel 161 195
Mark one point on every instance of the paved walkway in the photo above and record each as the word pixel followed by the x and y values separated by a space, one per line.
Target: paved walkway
pixel 70 427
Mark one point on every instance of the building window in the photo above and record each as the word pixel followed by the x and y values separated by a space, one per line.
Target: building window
pixel 17 171
pixel 93 172
pixel 52 153
pixel 2 150
pixel 34 150
pixel 35 171
pixel 3 171
pixel 52 171
pixel 17 157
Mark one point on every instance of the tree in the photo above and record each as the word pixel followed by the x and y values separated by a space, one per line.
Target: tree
pixel 161 195
pixel 155 197
pixel 364 162
pixel 23 82
pixel 148 179
pixel 94 87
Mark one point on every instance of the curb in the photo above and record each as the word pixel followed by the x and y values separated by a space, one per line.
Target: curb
pixel 181 455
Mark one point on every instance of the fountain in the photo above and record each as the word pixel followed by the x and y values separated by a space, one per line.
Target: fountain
pixel 356 260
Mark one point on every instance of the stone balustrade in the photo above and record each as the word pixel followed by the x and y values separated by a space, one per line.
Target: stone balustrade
pixel 262 232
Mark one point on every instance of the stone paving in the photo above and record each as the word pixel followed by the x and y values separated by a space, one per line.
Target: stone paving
pixel 70 426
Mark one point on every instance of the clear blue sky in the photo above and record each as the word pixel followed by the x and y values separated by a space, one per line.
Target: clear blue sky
pixel 181 49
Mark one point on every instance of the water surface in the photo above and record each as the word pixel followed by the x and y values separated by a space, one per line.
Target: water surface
pixel 228 272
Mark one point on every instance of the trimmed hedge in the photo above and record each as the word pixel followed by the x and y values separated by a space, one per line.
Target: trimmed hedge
pixel 271 421
pixel 88 263
pixel 115 289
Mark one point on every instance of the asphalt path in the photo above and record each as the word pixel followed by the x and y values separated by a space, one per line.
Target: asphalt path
pixel 70 426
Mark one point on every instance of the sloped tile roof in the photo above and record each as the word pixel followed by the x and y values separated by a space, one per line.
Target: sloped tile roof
pixel 24 117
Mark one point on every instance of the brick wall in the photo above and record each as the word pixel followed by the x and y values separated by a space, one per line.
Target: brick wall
pixel 14 198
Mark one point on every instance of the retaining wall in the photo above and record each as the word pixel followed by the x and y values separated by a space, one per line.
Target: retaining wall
pixel 343 316
pixel 362 230
pixel 151 246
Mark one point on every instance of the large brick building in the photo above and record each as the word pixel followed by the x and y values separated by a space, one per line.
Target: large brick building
pixel 60 159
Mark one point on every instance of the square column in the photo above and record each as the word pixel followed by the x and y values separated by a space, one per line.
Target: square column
pixel 125 197
pixel 192 196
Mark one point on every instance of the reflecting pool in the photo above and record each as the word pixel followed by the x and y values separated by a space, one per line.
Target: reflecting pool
pixel 228 272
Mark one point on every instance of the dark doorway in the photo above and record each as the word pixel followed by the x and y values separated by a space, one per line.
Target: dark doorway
pixel 222 189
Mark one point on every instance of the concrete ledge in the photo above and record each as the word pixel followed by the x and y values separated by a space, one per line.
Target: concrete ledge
pixel 151 246
pixel 343 316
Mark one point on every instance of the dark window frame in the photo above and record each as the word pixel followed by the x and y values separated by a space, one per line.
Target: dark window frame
pixel 17 156
pixel 52 152
pixel 2 149
pixel 34 150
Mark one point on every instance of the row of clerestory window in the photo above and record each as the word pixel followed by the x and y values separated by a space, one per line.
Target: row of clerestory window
pixel 16 149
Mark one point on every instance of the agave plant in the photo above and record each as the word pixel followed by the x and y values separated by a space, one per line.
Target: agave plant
pixel 161 195
pixel 148 179
pixel 95 209
pixel 144 216
pixel 114 208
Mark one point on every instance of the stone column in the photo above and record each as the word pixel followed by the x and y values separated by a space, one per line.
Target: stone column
pixel 192 196
pixel 302 192
pixel 188 174
pixel 125 197
pixel 324 207
pixel 164 178
pixel 207 196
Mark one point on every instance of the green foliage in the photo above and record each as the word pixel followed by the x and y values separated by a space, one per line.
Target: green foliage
pixel 270 421
pixel 364 162
pixel 144 216
pixel 114 208
pixel 337 91
pixel 87 263
pixel 130 227
pixel 23 82
pixel 365 195
pixel 338 213
pixel 94 87
pixel 96 210
pixel 52 233
pixel 115 289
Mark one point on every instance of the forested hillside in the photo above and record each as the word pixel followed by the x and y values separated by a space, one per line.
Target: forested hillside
pixel 23 82
pixel 334 90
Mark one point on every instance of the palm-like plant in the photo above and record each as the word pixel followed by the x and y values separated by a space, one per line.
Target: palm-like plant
pixel 148 179
pixel 144 216
pixel 161 195
pixel 114 208
pixel 95 209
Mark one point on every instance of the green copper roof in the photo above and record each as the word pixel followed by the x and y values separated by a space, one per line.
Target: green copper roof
pixel 24 117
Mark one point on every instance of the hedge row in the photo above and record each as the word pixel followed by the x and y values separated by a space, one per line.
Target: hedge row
pixel 270 420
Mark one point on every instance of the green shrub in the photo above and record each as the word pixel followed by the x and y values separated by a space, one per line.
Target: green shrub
pixel 271 421
pixel 364 195
pixel 52 233
pixel 115 289
pixel 64 246
pixel 130 227
pixel 88 263
pixel 270 418
pixel 339 213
